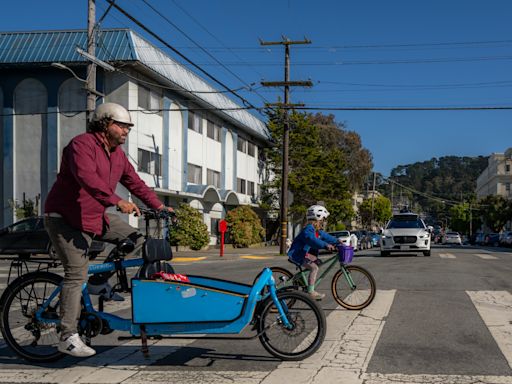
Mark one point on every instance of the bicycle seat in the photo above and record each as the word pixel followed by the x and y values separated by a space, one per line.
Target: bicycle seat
pixel 297 265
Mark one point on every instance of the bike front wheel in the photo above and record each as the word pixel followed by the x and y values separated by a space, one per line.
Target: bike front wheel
pixel 307 331
pixel 353 287
pixel 31 339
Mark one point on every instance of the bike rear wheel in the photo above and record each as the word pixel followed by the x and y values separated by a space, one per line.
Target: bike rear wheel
pixel 307 330
pixel 358 293
pixel 33 340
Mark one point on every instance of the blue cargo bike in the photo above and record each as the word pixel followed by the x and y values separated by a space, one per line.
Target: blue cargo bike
pixel 288 323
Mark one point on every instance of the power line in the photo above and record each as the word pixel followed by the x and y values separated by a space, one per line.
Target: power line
pixel 196 44
pixel 376 46
pixel 138 23
pixel 213 36
pixel 375 62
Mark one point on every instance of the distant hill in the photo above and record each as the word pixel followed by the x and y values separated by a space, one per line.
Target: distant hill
pixel 448 177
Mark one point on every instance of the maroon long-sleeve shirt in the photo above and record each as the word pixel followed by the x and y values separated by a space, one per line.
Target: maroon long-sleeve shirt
pixel 87 181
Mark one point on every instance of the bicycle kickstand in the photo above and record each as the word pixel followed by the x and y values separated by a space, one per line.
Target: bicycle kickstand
pixel 144 340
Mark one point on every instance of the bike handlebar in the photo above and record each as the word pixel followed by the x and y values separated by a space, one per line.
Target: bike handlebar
pixel 154 214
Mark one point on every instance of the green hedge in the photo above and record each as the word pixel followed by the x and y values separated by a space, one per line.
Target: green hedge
pixel 244 226
pixel 191 230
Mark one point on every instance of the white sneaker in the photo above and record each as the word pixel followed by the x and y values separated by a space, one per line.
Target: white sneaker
pixel 104 290
pixel 74 346
pixel 317 295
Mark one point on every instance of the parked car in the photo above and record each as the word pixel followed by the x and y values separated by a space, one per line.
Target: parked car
pixel 375 239
pixel 492 240
pixel 405 232
pixel 345 237
pixel 363 239
pixel 28 237
pixel 506 239
pixel 452 238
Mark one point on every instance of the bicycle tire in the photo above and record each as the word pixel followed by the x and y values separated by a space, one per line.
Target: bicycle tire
pixel 18 303
pixel 307 334
pixel 358 297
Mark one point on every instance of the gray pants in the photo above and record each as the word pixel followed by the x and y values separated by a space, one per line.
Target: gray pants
pixel 71 246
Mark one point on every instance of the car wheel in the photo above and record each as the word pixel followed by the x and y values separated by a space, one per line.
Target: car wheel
pixel 24 256
pixel 384 253
pixel 426 253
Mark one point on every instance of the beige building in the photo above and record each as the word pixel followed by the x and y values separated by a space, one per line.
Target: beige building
pixel 496 179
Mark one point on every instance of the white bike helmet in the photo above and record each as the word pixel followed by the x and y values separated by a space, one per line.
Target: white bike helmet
pixel 112 111
pixel 317 212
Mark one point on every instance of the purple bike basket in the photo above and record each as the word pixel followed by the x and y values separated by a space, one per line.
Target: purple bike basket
pixel 345 253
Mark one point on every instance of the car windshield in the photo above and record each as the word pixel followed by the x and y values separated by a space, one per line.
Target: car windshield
pixel 405 223
pixel 452 234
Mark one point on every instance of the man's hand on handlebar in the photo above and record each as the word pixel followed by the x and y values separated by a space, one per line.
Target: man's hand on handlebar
pixel 331 247
pixel 127 207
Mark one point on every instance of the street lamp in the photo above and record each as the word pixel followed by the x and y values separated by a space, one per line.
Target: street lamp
pixel 65 67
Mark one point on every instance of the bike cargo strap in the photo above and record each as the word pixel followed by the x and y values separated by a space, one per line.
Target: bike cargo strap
pixel 156 250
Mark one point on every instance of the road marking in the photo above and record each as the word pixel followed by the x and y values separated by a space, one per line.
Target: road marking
pixel 486 256
pixel 495 309
pixel 348 347
pixel 447 256
pixel 185 259
pixel 256 257
pixel 342 359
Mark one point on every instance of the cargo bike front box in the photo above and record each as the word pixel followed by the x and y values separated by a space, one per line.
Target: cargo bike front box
pixel 192 299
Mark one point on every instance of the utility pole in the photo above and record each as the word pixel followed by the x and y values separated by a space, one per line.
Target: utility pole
pixel 91 67
pixel 286 132
pixel 373 197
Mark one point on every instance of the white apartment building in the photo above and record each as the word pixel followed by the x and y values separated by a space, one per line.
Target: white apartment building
pixel 190 142
pixel 496 179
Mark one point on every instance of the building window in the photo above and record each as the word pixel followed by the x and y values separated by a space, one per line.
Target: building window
pixel 148 99
pixel 251 149
pixel 195 122
pixel 213 178
pixel 195 174
pixel 214 227
pixel 250 188
pixel 507 168
pixel 149 162
pixel 241 145
pixel 212 130
pixel 507 187
pixel 240 186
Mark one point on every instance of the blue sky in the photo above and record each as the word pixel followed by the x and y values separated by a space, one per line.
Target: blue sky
pixel 455 53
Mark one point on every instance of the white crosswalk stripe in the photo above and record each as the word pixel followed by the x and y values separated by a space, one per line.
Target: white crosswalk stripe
pixel 486 256
pixel 447 256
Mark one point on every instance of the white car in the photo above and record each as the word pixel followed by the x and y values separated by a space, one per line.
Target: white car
pixel 345 237
pixel 452 238
pixel 405 232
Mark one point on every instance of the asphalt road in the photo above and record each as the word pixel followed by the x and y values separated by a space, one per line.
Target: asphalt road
pixel 443 318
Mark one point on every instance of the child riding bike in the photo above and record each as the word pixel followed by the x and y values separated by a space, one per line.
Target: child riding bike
pixel 305 246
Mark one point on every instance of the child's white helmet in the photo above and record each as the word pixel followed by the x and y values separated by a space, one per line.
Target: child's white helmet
pixel 317 212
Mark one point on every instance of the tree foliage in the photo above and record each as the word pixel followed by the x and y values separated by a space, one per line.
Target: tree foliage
pixel 380 213
pixel 495 211
pixel 244 226
pixel 191 230
pixel 447 178
pixel 326 163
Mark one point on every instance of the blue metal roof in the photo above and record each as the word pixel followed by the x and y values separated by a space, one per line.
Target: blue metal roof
pixel 114 45
pixel 51 46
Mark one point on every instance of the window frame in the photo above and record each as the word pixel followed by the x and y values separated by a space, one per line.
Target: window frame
pixel 216 177
pixel 194 167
